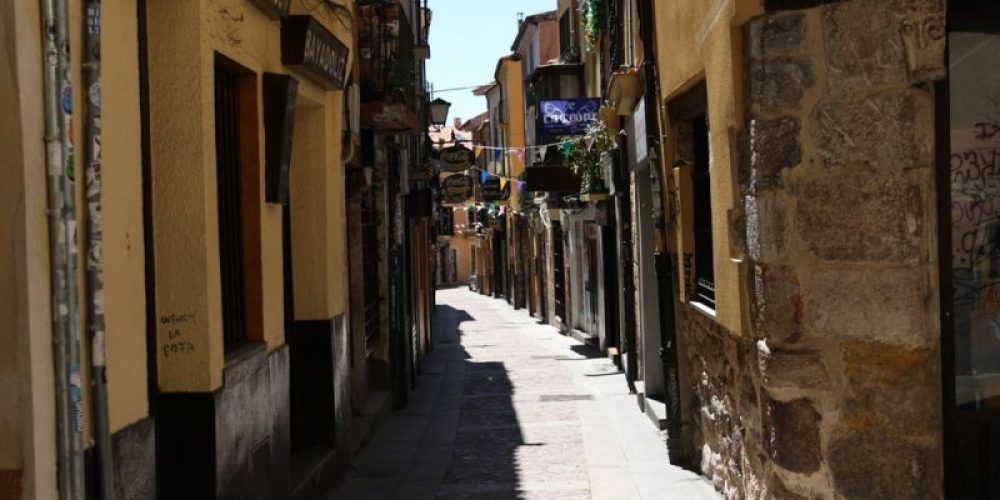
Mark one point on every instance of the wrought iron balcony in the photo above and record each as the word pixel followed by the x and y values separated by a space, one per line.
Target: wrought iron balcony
pixel 388 70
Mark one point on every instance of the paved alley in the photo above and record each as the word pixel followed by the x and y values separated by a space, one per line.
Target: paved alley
pixel 507 408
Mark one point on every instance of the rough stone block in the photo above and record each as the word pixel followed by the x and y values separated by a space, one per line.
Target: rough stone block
pixel 777 35
pixel 878 465
pixel 890 387
pixel 860 217
pixel 879 43
pixel 863 45
pixel 786 369
pixel 777 85
pixel 777 304
pixel 885 306
pixel 765 228
pixel 791 432
pixel 887 130
pixel 774 147
pixel 777 489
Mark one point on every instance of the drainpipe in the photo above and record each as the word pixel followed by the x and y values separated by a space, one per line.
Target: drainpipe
pixel 663 263
pixel 94 239
pixel 62 252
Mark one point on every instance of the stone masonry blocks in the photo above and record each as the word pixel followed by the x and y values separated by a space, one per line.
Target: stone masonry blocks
pixel 791 369
pixel 766 223
pixel 792 434
pixel 779 84
pixel 892 129
pixel 777 35
pixel 872 44
pixel 774 147
pixel 777 304
pixel 870 465
pixel 888 387
pixel 865 304
pixel 860 216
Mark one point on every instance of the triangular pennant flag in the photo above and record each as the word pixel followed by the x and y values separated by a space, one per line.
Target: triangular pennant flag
pixel 503 182
pixel 542 151
pixel 566 147
pixel 483 176
pixel 497 154
pixel 520 154
pixel 478 150
pixel 590 143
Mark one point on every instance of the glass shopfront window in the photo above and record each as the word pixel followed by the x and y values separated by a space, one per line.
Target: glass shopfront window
pixel 974 83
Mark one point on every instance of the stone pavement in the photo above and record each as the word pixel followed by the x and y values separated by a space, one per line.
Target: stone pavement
pixel 507 408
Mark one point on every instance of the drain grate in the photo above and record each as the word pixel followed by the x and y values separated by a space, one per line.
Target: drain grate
pixel 556 398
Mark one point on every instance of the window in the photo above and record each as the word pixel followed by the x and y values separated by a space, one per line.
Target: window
pixel 565 36
pixel 704 261
pixel 231 92
pixel 691 148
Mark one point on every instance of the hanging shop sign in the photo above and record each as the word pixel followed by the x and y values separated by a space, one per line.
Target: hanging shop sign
pixel 456 158
pixel 456 189
pixel 308 47
pixel 385 117
pixel 492 191
pixel 280 92
pixel 275 9
pixel 567 116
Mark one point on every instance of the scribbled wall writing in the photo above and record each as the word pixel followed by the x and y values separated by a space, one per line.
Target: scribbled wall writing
pixel 173 338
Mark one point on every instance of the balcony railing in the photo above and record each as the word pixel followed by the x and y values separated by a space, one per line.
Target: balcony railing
pixel 385 41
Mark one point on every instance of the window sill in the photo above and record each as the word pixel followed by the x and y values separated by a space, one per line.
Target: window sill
pixel 244 352
pixel 705 310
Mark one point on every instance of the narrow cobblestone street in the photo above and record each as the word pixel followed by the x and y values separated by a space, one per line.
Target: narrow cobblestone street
pixel 508 408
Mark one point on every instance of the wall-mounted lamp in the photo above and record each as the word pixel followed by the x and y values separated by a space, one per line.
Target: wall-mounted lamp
pixel 439 112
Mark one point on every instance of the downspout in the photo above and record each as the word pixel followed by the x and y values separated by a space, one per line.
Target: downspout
pixel 62 251
pixel 94 238
pixel 663 262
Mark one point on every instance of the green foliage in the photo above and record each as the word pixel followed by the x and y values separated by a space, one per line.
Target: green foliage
pixel 587 161
pixel 591 20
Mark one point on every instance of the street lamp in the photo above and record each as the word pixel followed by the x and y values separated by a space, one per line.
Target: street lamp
pixel 439 112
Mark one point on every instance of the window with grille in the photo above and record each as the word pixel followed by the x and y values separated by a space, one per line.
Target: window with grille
pixel 230 203
pixel 704 260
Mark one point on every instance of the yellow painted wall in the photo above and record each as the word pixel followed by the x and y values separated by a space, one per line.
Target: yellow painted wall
pixel 124 273
pixel 183 149
pixel 11 201
pixel 184 36
pixel 510 76
pixel 700 39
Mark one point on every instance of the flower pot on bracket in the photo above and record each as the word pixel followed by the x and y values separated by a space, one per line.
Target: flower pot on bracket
pixel 624 90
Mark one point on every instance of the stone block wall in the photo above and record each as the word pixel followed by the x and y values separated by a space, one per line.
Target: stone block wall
pixel 836 386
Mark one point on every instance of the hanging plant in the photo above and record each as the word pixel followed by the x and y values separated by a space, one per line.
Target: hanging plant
pixel 586 156
pixel 590 18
